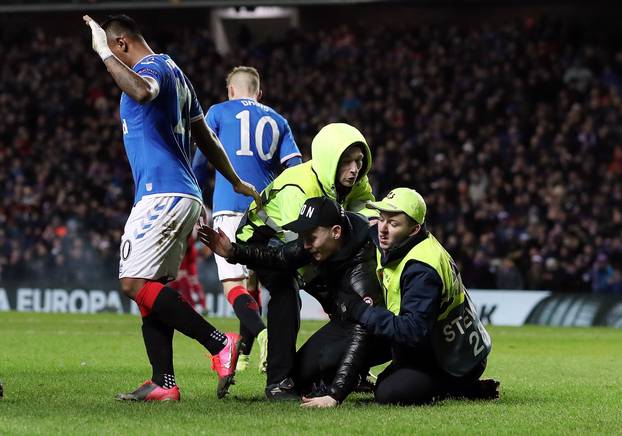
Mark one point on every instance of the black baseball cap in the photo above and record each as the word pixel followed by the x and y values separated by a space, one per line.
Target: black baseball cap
pixel 315 212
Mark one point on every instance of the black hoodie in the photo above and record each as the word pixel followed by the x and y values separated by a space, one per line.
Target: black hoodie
pixel 351 269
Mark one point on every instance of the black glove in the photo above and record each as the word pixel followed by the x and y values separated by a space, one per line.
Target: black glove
pixel 351 306
pixel 319 290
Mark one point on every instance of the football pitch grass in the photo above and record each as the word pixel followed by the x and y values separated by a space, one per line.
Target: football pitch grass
pixel 61 373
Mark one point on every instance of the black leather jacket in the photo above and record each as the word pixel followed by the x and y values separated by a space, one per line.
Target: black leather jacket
pixel 353 268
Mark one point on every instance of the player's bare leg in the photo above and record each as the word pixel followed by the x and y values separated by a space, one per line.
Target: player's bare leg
pixel 131 286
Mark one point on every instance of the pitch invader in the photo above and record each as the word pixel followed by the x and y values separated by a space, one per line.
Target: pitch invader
pixel 260 144
pixel 159 111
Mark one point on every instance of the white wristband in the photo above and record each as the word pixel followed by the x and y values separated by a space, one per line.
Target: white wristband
pixel 104 53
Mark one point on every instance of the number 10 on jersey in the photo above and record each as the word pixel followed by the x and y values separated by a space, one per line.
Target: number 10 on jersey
pixel 245 135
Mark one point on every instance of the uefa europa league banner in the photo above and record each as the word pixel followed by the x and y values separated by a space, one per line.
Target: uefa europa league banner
pixel 494 307
pixel 58 300
pixel 85 300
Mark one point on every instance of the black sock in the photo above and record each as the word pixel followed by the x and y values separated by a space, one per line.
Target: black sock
pixel 247 311
pixel 158 338
pixel 247 340
pixel 174 311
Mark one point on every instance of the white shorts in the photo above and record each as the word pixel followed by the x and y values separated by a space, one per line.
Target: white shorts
pixel 156 235
pixel 227 271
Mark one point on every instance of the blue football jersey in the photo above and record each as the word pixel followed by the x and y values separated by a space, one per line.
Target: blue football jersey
pixel 157 134
pixel 258 142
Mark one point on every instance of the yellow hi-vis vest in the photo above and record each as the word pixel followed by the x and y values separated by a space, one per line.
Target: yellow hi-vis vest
pixel 301 183
pixel 459 339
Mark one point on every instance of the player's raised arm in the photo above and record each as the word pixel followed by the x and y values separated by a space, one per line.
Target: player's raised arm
pixel 210 146
pixel 141 89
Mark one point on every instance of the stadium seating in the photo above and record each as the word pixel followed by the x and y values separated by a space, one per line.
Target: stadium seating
pixel 510 133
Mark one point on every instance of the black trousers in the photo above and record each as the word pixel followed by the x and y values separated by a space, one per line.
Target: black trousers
pixel 283 323
pixel 406 385
pixel 319 358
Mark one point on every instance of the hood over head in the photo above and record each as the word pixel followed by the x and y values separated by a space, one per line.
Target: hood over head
pixel 326 150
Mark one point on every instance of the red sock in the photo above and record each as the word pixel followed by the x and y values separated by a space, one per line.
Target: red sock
pixel 147 296
pixel 256 294
pixel 235 293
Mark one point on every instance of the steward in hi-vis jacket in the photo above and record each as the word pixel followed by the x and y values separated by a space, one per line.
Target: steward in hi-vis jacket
pixel 439 346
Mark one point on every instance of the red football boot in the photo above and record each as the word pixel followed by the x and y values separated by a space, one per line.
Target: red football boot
pixel 224 364
pixel 150 391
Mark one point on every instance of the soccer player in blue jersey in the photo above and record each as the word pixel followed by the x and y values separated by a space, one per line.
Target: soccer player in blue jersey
pixel 259 143
pixel 159 112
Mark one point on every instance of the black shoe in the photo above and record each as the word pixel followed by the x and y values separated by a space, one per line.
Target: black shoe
pixel 487 389
pixel 367 384
pixel 284 391
pixel 1 391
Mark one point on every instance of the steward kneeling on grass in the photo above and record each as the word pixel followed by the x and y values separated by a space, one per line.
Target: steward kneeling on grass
pixel 335 359
pixel 439 345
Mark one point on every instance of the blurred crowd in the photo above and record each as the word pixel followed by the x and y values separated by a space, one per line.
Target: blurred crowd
pixel 512 133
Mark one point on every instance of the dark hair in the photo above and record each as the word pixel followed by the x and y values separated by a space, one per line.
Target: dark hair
pixel 121 24
pixel 411 221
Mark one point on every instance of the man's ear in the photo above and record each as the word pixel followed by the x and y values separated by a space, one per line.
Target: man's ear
pixel 122 44
pixel 335 232
pixel 259 95
pixel 415 230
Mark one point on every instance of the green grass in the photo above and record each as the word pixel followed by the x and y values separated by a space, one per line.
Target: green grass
pixel 61 372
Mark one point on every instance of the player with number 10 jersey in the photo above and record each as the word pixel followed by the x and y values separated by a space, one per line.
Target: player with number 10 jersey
pixel 260 144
